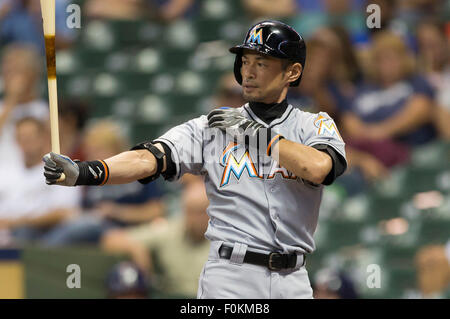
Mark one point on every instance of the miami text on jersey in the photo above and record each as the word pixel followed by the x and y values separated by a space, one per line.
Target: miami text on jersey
pixel 237 167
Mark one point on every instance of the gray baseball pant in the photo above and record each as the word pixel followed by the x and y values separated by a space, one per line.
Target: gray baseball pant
pixel 233 279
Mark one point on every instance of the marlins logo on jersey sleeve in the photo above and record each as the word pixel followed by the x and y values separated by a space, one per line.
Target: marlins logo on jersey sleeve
pixel 326 126
pixel 321 129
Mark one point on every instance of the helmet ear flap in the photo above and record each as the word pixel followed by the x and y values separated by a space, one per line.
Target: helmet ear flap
pixel 237 68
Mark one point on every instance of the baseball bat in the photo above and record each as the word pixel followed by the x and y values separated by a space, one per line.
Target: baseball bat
pixel 48 20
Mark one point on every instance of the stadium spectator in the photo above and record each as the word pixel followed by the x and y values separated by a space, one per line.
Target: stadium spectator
pixel 21 21
pixel 171 10
pixel 20 74
pixel 126 281
pixel 162 10
pixel 318 90
pixel 434 61
pixel 350 14
pixel 114 9
pixel 72 115
pixel 433 271
pixel 329 85
pixel 331 73
pixel 391 111
pixel 411 13
pixel 260 9
pixel 110 206
pixel 30 209
pixel 333 284
pixel 177 249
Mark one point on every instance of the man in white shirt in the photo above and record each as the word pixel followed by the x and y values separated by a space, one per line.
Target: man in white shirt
pixel 29 209
pixel 20 70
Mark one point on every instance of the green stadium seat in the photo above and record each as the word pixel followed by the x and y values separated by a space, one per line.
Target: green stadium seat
pixel 435 231
pixel 221 9
pixel 382 208
pixel 46 271
pixel 97 35
pixel 180 34
pixel 432 155
pixel 421 179
pixel 340 234
pixel 144 132
pixel 399 257
pixel 174 58
pixel 88 58
pixel 75 85
pixel 133 81
pixel 126 32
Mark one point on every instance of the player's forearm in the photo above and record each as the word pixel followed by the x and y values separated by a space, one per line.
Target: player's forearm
pixel 130 166
pixel 304 161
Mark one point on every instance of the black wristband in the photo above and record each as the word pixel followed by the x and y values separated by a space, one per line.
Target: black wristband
pixel 92 173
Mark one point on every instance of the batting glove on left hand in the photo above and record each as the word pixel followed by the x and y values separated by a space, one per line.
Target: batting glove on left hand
pixel 55 165
pixel 231 121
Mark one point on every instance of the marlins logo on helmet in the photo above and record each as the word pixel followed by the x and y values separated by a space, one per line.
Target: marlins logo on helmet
pixel 255 36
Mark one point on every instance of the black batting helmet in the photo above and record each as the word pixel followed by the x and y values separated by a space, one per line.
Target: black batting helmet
pixel 273 38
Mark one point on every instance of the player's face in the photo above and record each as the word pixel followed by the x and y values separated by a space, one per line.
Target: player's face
pixel 263 78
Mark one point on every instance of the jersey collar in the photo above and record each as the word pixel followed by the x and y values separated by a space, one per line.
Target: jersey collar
pixel 268 114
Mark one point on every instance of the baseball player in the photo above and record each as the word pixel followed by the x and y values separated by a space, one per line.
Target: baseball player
pixel 265 165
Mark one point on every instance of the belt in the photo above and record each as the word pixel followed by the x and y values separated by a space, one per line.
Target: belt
pixel 274 261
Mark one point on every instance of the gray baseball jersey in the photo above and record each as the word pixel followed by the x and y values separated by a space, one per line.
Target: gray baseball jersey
pixel 252 199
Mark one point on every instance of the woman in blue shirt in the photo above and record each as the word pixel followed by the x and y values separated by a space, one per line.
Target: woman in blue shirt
pixel 395 103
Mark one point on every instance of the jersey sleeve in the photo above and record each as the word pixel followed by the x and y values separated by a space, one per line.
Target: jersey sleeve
pixel 185 142
pixel 320 131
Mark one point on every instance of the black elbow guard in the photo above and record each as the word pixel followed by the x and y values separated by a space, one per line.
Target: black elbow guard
pixel 159 160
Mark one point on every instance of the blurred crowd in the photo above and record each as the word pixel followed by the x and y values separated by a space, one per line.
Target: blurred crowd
pixel 388 89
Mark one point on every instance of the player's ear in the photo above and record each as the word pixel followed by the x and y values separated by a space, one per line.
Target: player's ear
pixel 294 72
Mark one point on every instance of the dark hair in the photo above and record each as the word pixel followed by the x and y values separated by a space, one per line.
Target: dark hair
pixel 285 63
pixel 39 123
pixel 76 108
pixel 349 56
pixel 435 23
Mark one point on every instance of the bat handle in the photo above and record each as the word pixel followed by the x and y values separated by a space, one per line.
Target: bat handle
pixel 62 178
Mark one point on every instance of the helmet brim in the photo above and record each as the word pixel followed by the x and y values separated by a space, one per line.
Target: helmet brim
pixel 238 49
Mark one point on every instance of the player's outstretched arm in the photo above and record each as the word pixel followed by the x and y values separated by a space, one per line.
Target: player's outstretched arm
pixel 123 168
